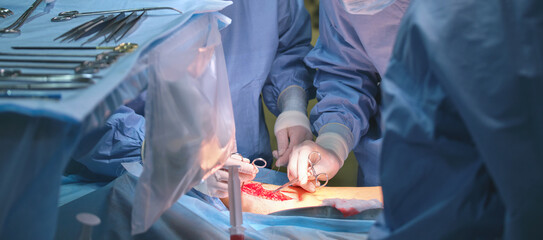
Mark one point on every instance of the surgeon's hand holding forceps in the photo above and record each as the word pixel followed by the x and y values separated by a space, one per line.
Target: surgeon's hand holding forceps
pixel 310 172
pixel 257 162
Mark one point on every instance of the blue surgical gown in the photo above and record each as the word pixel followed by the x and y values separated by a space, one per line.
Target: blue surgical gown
pixel 264 48
pixel 351 54
pixel 119 140
pixel 463 144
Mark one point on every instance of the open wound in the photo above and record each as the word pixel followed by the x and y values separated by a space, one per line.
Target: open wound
pixel 256 189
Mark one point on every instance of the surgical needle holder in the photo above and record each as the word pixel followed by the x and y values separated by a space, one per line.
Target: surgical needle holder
pixel 64 16
pixel 310 172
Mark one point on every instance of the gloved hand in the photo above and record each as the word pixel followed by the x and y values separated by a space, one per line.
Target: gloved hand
pixel 216 185
pixel 298 165
pixel 291 129
pixel 292 125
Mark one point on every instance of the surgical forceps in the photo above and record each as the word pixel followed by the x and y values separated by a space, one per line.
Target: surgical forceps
pixel 310 172
pixel 14 27
pixel 65 16
pixel 111 26
pixel 93 27
pixel 120 33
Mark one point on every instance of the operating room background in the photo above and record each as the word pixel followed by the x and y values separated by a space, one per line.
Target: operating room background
pixel 347 174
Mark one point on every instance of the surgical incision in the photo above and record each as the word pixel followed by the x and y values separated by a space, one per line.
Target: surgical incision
pixel 256 189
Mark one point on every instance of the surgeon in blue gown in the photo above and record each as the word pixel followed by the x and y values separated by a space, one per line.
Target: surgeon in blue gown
pixel 462 151
pixel 351 55
pixel 264 49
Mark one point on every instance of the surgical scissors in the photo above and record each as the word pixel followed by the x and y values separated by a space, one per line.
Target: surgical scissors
pixel 310 172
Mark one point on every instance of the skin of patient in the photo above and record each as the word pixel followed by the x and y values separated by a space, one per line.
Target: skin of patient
pixel 258 197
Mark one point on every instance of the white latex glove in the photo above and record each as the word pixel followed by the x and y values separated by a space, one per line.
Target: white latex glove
pixel 292 125
pixel 291 129
pixel 332 153
pixel 216 185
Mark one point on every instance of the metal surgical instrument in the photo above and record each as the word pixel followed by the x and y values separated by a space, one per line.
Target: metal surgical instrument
pixel 64 16
pixel 126 28
pixel 102 62
pixel 75 29
pixel 48 78
pixel 119 26
pixel 86 28
pixel 16 94
pixel 262 162
pixel 310 172
pixel 14 27
pixel 123 47
pixel 4 12
pixel 97 57
pixel 44 86
pixel 76 69
pixel 94 26
pixel 111 26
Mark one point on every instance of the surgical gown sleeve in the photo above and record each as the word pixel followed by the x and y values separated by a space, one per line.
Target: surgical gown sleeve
pixel 346 80
pixel 288 67
pixel 120 141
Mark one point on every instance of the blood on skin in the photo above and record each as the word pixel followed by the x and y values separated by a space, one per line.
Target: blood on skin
pixel 256 189
pixel 348 212
pixel 298 192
